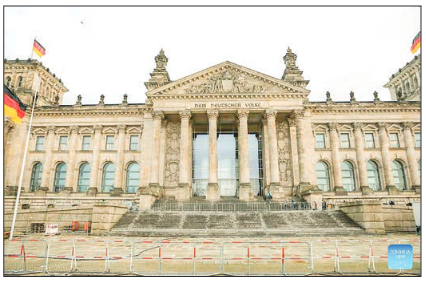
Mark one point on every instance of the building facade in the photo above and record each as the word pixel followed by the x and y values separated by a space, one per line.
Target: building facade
pixel 226 131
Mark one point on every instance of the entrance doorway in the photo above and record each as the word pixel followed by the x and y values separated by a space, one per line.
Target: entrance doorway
pixel 227 150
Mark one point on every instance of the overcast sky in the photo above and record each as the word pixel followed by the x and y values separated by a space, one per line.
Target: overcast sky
pixel 111 51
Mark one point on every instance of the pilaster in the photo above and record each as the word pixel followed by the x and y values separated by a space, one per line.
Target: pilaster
pixel 71 158
pixel 48 157
pixel 387 165
pixel 362 168
pixel 213 193
pixel 94 172
pixel 411 155
pixel 183 192
pixel 244 191
pixel 335 159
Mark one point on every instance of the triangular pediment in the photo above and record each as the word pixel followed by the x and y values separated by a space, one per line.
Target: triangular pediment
pixel 227 78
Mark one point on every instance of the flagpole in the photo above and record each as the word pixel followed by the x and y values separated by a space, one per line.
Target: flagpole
pixel 23 164
pixel 32 48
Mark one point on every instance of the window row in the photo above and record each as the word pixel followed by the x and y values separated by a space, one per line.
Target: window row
pixel 85 144
pixel 108 177
pixel 368 138
pixel 9 81
pixel 348 176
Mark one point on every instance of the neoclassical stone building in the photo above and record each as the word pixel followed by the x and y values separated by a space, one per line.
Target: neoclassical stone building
pixel 226 131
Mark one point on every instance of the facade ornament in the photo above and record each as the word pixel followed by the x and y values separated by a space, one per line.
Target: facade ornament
pixel 243 113
pixel 292 74
pixel 352 97
pixel 382 125
pixel 376 96
pixel 8 125
pixel 51 129
pixel 212 114
pixel 332 125
pixel 226 82
pixel 161 60
pixel 357 125
pixel 121 128
pixel 102 100
pixel 159 115
pixel 172 154
pixel 407 125
pixel 78 103
pixel 291 122
pixel 284 153
pixel 159 76
pixel 186 114
pixel 271 113
pixel 97 127
pixel 328 99
pixel 164 122
pixel 124 102
pixel 74 129
pixel 57 100
pixel 299 113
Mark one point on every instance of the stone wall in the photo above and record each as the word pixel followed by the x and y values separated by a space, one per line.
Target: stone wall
pixel 367 214
pixel 105 216
pixel 398 218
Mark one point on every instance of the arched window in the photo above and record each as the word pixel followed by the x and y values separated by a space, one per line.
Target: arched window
pixel 36 177
pixel 20 82
pixel 83 177
pixel 132 178
pixel 348 176
pixel 373 176
pixel 408 87
pixel 323 176
pixel 399 175
pixel 8 81
pixel 108 177
pixel 60 175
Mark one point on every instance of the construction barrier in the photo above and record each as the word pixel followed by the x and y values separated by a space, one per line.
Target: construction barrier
pixel 167 257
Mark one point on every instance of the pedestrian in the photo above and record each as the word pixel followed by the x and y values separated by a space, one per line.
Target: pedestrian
pixel 286 204
pixel 293 204
pixel 324 205
pixel 269 196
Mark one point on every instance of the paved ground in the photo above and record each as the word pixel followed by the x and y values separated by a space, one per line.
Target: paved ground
pixel 177 254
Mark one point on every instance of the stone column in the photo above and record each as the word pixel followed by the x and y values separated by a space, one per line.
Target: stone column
pixel 213 193
pixel 244 191
pixel 266 162
pixel 69 182
pixel 411 156
pixel 303 172
pixel 49 145
pixel 362 167
pixel 119 170
pixel 294 156
pixel 273 147
pixel 335 159
pixel 404 91
pixel 158 116
pixel 94 167
pixel 387 164
pixel 182 192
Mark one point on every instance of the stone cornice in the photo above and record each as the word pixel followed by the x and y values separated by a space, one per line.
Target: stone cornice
pixel 228 96
pixel 370 107
pixel 92 110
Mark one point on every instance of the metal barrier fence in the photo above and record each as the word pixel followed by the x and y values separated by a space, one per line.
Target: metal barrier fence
pixel 156 258
pixel 265 206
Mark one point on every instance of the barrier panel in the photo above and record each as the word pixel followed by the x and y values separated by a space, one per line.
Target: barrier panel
pixel 120 256
pixel 416 254
pixel 324 256
pixel 354 256
pixel 61 256
pixel 146 257
pixel 91 256
pixel 379 255
pixel 13 256
pixel 34 255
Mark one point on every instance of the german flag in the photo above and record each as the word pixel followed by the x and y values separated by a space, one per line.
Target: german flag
pixel 416 43
pixel 13 107
pixel 40 51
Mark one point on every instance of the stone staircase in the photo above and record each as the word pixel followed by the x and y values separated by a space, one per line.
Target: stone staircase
pixel 247 223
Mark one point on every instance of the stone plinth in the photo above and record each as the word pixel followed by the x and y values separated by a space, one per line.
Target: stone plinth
pixel 183 192
pixel 212 193
pixel 41 192
pixel 245 193
pixel 116 192
pixel 105 216
pixel 367 214
pixel 92 191
pixel 392 190
pixel 146 202
pixel 367 190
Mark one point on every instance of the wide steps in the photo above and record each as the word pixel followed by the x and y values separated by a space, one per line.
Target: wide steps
pixel 286 223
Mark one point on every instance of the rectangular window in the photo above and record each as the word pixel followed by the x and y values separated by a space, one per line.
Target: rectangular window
pixel 369 140
pixel 86 143
pixel 39 143
pixel 344 140
pixel 417 138
pixel 63 141
pixel 320 140
pixel 110 142
pixel 134 142
pixel 394 141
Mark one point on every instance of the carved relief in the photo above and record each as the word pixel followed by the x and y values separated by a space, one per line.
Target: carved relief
pixel 172 154
pixel 226 82
pixel 284 153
